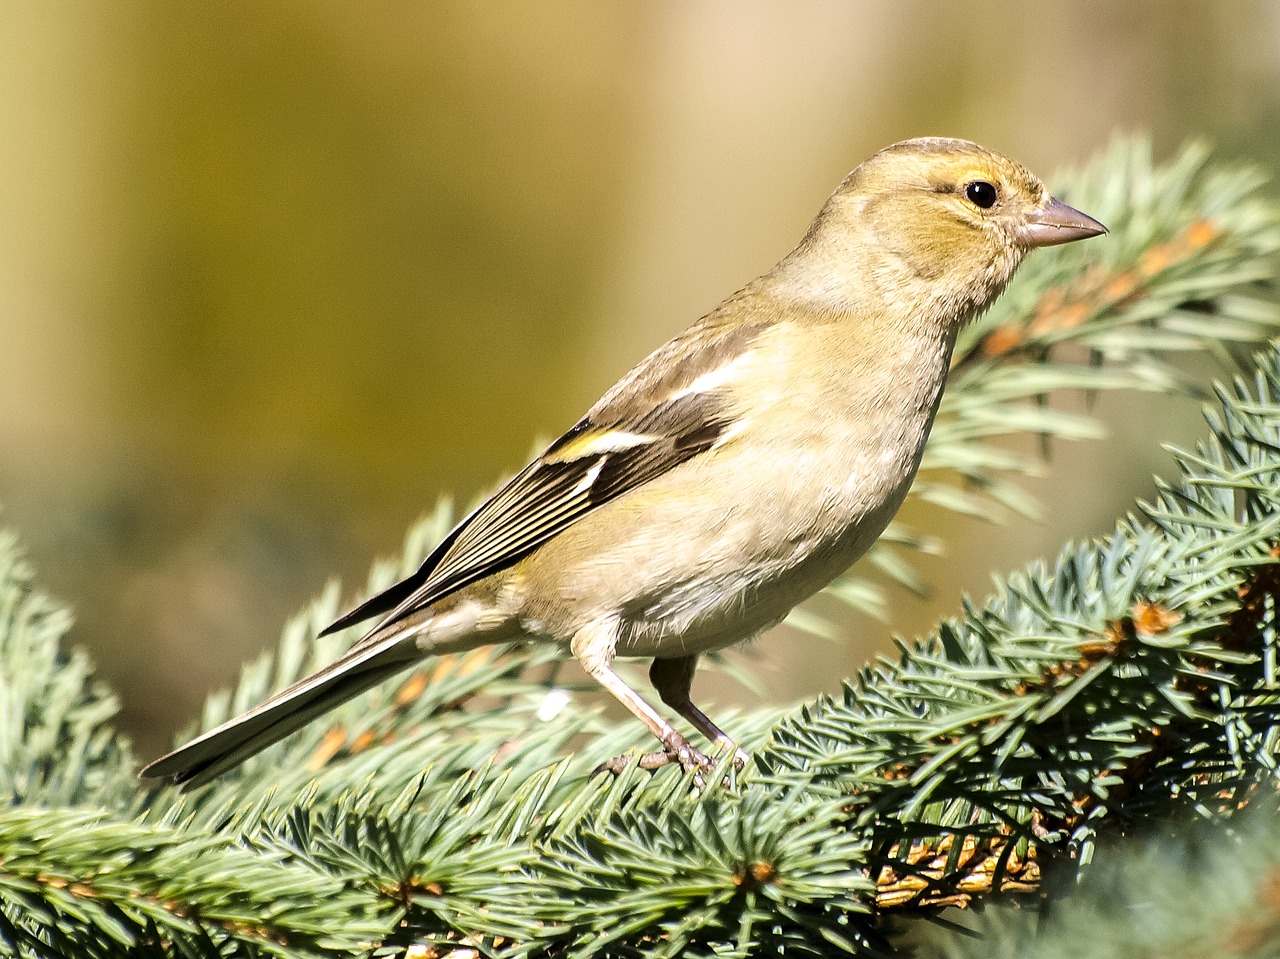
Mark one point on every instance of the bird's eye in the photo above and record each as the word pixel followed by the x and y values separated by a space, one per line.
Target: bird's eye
pixel 981 194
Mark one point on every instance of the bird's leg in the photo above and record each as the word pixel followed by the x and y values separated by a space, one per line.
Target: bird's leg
pixel 673 679
pixel 593 647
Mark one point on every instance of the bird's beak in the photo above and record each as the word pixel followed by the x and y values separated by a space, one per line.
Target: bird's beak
pixel 1055 223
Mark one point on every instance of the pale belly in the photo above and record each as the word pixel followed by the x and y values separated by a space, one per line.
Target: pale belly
pixel 732 602
pixel 723 568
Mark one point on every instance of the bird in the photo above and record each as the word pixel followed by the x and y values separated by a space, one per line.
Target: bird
pixel 734 472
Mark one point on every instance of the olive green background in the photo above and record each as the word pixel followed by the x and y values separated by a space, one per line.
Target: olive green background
pixel 275 276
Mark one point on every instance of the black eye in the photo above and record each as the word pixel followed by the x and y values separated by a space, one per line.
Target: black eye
pixel 981 194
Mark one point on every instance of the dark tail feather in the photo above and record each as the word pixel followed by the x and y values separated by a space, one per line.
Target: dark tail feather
pixel 237 739
pixel 384 602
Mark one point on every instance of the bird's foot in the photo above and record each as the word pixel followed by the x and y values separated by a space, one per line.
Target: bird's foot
pixel 679 750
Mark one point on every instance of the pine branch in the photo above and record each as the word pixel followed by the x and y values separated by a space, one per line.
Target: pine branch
pixel 77 882
pixel 57 742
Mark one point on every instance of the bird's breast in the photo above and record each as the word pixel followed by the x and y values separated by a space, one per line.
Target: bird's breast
pixel 726 544
pixel 737 563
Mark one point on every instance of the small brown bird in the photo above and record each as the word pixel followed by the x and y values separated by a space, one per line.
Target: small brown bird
pixel 733 473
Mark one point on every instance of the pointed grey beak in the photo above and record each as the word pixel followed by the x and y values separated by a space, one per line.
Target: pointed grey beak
pixel 1055 223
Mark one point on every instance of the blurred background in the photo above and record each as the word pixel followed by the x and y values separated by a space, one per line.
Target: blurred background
pixel 276 276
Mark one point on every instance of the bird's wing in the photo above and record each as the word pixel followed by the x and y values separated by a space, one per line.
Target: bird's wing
pixel 668 410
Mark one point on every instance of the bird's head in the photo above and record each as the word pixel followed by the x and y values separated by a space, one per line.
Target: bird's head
pixel 939 225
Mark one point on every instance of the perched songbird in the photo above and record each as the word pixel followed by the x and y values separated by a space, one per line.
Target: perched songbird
pixel 737 470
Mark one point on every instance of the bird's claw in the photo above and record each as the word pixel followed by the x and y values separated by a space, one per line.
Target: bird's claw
pixel 678 750
pixel 618 764
pixel 691 759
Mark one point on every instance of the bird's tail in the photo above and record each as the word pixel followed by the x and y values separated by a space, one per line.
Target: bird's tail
pixel 366 664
